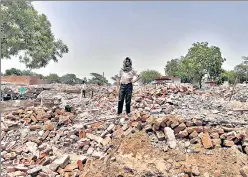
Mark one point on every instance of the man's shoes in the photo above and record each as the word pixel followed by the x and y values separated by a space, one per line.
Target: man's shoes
pixel 128 115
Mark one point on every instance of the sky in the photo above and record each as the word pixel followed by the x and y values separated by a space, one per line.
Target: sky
pixel 100 35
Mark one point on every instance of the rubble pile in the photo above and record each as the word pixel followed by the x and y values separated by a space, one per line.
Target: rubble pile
pixel 48 141
pixel 12 91
pixel 196 131
pixel 238 93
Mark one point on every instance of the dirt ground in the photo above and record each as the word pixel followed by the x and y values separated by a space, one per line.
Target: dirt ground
pixel 135 156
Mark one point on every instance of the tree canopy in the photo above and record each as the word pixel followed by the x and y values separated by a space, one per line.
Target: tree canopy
pixel 98 79
pixel 241 70
pixel 172 67
pixel 148 76
pixel 201 59
pixel 28 35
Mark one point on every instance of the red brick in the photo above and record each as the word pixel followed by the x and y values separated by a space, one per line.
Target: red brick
pixel 183 134
pixel 189 123
pixel 181 127
pixel 80 165
pixel 216 142
pixel 198 129
pixel 193 134
pixel 228 143
pixel 206 141
pixel 82 134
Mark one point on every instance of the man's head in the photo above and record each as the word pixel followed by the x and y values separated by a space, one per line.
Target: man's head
pixel 83 82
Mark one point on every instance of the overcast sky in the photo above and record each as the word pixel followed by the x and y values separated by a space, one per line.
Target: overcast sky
pixel 101 34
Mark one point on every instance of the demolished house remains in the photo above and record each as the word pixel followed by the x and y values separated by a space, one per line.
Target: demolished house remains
pixel 175 130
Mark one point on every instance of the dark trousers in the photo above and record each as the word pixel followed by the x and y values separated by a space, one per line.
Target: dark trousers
pixel 125 93
pixel 84 93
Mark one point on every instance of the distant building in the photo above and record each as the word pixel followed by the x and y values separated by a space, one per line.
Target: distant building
pixel 22 80
pixel 167 79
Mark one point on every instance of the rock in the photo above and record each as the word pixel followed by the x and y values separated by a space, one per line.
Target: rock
pixel 195 171
pixel 148 128
pixel 82 134
pixel 171 139
pixel 206 141
pixel 11 169
pixel 198 122
pixel 160 135
pixel 193 135
pixel 206 174
pixel 97 154
pixel 90 151
pixel 246 149
pixel 183 134
pixel 216 142
pixel 244 171
pixel 21 168
pixel 34 127
pixel 198 129
pixel 34 171
pixel 94 137
pixel 62 161
pixel 189 123
pixel 228 143
pixel 245 141
pixel 71 166
pixel 214 135
pixel 106 141
pixel 16 173
pixel 110 127
pixel 48 126
pixel 180 127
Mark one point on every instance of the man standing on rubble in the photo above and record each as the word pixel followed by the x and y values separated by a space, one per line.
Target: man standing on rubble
pixel 83 91
pixel 125 86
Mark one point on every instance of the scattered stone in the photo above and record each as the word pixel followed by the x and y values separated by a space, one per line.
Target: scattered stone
pixel 171 139
pixel 62 161
pixel 206 141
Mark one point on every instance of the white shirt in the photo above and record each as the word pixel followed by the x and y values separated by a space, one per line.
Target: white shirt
pixel 127 77
pixel 84 86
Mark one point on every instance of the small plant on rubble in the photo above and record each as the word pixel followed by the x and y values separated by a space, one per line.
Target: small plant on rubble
pixel 28 35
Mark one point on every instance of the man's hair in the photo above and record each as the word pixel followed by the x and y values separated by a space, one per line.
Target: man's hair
pixel 83 82
pixel 128 59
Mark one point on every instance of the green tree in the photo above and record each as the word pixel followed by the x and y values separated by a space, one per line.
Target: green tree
pixel 52 78
pixel 28 35
pixel 28 73
pixel 229 76
pixel 202 59
pixel 148 76
pixel 98 79
pixel 172 67
pixel 68 79
pixel 185 70
pixel 13 71
pixel 242 71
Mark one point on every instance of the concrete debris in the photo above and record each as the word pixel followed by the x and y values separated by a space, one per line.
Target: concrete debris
pixel 46 140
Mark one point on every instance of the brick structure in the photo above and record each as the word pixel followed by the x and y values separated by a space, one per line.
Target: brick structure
pixel 167 79
pixel 22 80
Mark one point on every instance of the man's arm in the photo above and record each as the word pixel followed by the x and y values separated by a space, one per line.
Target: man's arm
pixel 118 84
pixel 137 77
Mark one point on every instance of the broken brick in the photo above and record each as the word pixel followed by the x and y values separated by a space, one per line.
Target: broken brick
pixel 206 141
